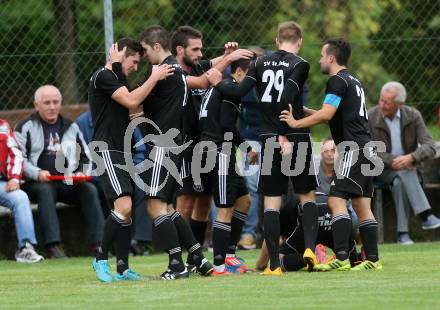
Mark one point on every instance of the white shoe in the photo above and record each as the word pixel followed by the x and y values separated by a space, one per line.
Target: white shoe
pixel 28 255
pixel 404 239
pixel 432 222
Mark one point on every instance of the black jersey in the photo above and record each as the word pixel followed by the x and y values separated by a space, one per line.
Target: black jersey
pixel 350 123
pixel 219 115
pixel 110 119
pixel 198 93
pixel 192 127
pixel 271 73
pixel 166 104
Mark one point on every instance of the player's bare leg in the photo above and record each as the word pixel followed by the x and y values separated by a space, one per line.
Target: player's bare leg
pixel 185 205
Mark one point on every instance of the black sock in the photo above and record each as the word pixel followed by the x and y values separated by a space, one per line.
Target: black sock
pixel 341 228
pixel 111 227
pixel 123 242
pixel 271 226
pixel 292 262
pixel 221 232
pixel 167 234
pixel 237 222
pixel 199 229
pixel 310 224
pixel 424 215
pixel 187 239
pixel 368 232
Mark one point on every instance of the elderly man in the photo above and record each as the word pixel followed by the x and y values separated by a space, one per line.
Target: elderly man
pixel 47 139
pixel 408 143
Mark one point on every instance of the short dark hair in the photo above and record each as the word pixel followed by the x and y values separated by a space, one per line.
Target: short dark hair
pixel 340 48
pixel 132 45
pixel 289 32
pixel 156 34
pixel 241 63
pixel 181 36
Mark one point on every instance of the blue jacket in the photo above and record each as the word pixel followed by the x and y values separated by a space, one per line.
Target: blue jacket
pixel 250 117
pixel 84 122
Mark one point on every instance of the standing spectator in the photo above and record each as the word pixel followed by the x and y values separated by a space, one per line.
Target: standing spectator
pixel 46 137
pixel 250 120
pixel 408 143
pixel 13 198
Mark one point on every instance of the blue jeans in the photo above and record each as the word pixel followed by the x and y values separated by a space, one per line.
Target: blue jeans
pixel 18 202
pixel 251 175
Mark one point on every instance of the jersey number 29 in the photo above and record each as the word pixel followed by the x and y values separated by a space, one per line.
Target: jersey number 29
pixel 273 79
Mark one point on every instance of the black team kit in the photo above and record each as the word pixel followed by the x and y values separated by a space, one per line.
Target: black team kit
pixel 350 123
pixel 166 106
pixel 110 121
pixel 218 118
pixel 271 73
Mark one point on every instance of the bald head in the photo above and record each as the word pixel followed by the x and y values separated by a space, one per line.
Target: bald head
pixel 46 90
pixel 47 101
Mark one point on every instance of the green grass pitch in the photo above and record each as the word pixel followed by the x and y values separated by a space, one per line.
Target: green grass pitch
pixel 410 280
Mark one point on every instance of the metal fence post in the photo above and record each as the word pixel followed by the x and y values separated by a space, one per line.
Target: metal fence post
pixel 108 25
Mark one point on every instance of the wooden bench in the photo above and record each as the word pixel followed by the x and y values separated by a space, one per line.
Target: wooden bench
pixel 5 211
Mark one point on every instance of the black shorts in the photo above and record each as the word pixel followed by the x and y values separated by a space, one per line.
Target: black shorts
pixel 162 176
pixel 298 167
pixel 188 187
pixel 350 182
pixel 223 182
pixel 116 182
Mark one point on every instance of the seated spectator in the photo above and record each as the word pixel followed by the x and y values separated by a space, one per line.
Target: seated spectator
pixel 408 143
pixel 46 137
pixel 326 174
pixel 142 230
pixel 13 198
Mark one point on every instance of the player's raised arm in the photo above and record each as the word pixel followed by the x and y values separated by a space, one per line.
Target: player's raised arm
pixel 229 48
pixel 231 89
pixel 219 64
pixel 134 98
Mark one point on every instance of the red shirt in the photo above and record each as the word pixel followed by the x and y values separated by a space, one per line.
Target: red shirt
pixel 11 157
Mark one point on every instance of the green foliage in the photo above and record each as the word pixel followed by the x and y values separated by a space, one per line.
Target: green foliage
pixel 391 39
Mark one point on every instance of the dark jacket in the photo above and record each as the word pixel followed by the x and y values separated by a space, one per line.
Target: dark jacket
pixel 416 139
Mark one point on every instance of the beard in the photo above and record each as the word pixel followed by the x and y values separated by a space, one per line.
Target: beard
pixel 189 62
